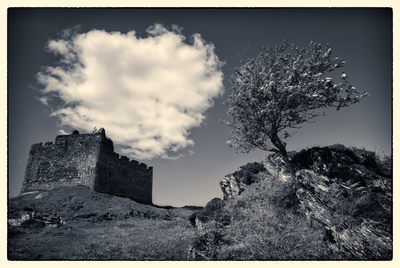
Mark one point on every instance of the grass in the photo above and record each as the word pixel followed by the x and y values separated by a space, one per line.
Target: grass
pixel 131 231
pixel 265 225
pixel 146 239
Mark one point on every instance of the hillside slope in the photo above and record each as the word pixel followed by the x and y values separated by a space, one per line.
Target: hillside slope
pixel 76 223
pixel 339 206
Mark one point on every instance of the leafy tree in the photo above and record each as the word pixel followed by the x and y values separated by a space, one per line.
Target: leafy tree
pixel 279 90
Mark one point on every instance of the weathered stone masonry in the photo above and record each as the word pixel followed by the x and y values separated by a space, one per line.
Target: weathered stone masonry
pixel 90 160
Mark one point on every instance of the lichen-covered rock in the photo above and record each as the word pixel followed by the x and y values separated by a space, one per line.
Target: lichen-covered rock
pixel 276 167
pixel 234 184
pixel 358 227
pixel 231 186
pixel 348 165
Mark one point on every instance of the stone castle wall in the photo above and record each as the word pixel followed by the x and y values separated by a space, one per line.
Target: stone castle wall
pixel 90 160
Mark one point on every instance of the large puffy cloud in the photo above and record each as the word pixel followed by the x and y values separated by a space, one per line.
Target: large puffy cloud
pixel 146 92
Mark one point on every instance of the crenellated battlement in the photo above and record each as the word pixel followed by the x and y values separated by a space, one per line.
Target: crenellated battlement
pixel 87 159
pixel 134 163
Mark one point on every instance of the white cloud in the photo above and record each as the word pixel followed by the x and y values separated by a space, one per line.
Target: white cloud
pixel 148 93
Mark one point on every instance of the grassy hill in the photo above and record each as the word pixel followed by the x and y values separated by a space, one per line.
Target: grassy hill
pixel 337 207
pixel 76 223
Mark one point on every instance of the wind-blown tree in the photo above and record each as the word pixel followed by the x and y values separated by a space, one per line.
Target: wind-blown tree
pixel 279 90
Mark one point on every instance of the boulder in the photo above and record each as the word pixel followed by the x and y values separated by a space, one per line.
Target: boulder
pixel 214 204
pixel 234 184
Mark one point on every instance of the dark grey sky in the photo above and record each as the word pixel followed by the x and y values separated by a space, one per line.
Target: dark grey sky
pixel 363 37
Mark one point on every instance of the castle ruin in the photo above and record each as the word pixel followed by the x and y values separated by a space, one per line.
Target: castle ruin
pixel 89 160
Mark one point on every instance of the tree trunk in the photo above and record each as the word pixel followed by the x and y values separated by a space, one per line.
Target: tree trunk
pixel 283 153
pixel 289 165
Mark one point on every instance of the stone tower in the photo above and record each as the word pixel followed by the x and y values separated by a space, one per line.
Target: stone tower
pixel 90 160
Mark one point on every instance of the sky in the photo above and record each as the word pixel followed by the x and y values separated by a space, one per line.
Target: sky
pixel 156 80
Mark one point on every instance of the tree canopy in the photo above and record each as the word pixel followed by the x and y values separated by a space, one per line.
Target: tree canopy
pixel 282 88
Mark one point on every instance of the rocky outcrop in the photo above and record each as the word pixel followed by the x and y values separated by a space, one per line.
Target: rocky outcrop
pixel 356 219
pixel 235 183
pixel 347 165
pixel 212 211
pixel 276 167
pixel 347 192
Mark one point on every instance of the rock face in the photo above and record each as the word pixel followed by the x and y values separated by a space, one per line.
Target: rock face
pixel 276 167
pixel 357 219
pixel 235 183
pixel 349 166
pixel 348 192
